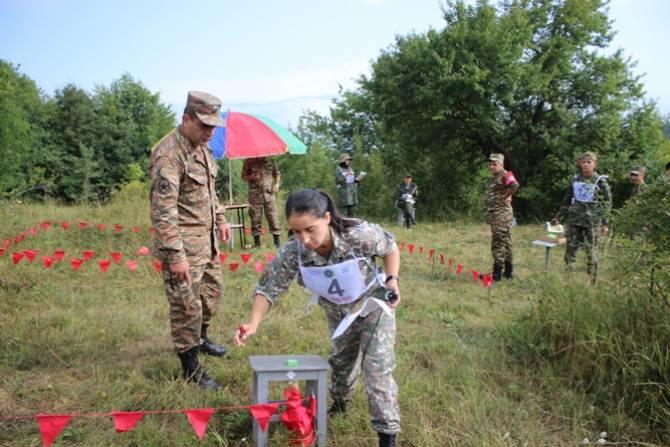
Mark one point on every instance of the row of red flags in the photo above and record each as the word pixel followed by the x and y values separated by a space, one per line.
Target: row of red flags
pixel 295 417
pixel 485 278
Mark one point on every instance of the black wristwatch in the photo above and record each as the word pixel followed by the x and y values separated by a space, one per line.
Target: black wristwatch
pixel 390 277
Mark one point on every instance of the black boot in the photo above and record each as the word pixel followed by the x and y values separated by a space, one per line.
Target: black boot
pixel 276 239
pixel 508 270
pixel 386 440
pixel 208 347
pixel 193 372
pixel 497 272
pixel 257 241
pixel 338 407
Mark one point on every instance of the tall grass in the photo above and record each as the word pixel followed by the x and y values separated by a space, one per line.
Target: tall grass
pixel 88 342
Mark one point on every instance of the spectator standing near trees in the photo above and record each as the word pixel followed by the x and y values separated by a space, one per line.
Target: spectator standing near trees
pixel 587 205
pixel 264 178
pixel 347 185
pixel 189 222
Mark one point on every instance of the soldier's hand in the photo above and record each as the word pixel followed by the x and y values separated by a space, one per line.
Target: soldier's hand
pixel 181 271
pixel 224 232
pixel 393 285
pixel 242 334
pixel 275 189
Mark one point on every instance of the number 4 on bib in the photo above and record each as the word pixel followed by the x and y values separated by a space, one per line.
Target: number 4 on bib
pixel 335 288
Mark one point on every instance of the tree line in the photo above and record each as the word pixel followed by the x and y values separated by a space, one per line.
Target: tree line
pixel 533 79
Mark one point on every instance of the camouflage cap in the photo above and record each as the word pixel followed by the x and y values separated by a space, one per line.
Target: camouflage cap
pixel 637 170
pixel 344 157
pixel 588 154
pixel 500 158
pixel 206 107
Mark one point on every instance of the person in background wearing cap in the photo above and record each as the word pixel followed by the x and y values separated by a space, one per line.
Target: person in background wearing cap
pixel 347 185
pixel 406 195
pixel 499 214
pixel 263 177
pixel 636 177
pixel 587 205
pixel 189 224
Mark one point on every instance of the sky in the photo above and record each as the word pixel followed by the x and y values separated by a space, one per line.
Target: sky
pixel 277 58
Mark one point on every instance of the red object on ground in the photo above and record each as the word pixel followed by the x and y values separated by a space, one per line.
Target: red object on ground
pixel 297 418
pixel 132 265
pixel 410 247
pixel 245 257
pixel 116 256
pixel 59 254
pixel 199 420
pixel 263 412
pixel 88 254
pixel 126 420
pixel 16 257
pixel 223 257
pixel 50 426
pixel 143 251
pixel 30 255
pixel 259 267
pixel 104 264
pixel 157 265
pixel 459 269
pixel 233 266
pixel 76 263
pixel 47 261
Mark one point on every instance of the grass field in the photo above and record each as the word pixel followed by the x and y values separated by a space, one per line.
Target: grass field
pixel 88 342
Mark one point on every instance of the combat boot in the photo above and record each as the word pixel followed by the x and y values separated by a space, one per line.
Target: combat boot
pixel 338 407
pixel 257 241
pixel 193 372
pixel 386 440
pixel 497 272
pixel 208 347
pixel 508 270
pixel 276 239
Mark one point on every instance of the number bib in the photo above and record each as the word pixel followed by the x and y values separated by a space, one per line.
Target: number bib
pixel 584 192
pixel 340 283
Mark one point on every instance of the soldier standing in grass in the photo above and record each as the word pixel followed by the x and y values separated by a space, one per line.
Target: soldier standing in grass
pixel 189 223
pixel 587 205
pixel 263 178
pixel 347 185
pixel 499 215
pixel 406 195
pixel 636 177
pixel 334 257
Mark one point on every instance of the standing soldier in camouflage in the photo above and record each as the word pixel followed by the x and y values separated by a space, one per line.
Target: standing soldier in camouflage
pixel 263 178
pixel 334 257
pixel 499 215
pixel 347 185
pixel 406 195
pixel 587 205
pixel 189 223
pixel 636 177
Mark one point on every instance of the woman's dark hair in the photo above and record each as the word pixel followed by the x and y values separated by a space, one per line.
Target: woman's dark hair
pixel 317 202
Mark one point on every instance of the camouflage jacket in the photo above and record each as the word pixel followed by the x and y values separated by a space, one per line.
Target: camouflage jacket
pixel 267 171
pixel 587 214
pixel 184 210
pixel 403 189
pixel 347 192
pixel 365 240
pixel 637 189
pixel 500 185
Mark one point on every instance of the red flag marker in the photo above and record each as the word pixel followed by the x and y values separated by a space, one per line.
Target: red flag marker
pixel 431 252
pixel 136 229
pixel 126 420
pixel 263 413
pixel 7 243
pixel 269 257
pixel 59 254
pixel 199 420
pixel 451 262
pixel 104 264
pixel 16 257
pixel 157 265
pixel 487 280
pixel 233 266
pixel 76 263
pixel 402 246
pixel 132 265
pixel 459 269
pixel 88 254
pixel 152 230
pixel 410 247
pixel 420 250
pixel 101 226
pixel 259 267
pixel 247 231
pixel 45 225
pixel 441 258
pixel 50 426
pixel 47 261
pixel 83 225
pixel 475 275
pixel 117 228
pixel 245 257
pixel 2 251
pixel 32 231
pixel 263 231
pixel 223 257
pixel 116 257
pixel 30 255
pixel 143 251
pixel 65 225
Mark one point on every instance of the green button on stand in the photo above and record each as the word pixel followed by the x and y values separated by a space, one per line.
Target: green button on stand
pixel 292 363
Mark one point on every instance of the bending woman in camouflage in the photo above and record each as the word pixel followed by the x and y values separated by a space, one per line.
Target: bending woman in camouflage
pixel 334 257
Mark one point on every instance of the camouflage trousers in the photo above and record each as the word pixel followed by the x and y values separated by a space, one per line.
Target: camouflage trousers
pixel 367 344
pixel 501 243
pixel 586 237
pixel 192 307
pixel 256 209
pixel 406 214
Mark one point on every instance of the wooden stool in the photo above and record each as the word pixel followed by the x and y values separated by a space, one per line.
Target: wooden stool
pixel 273 368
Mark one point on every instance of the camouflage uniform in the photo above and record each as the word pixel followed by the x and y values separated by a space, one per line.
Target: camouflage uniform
pixel 499 215
pixel 185 212
pixel 261 196
pixel 369 342
pixel 585 218
pixel 347 189
pixel 406 211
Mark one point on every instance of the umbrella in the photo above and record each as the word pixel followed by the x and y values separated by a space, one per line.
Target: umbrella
pixel 248 135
